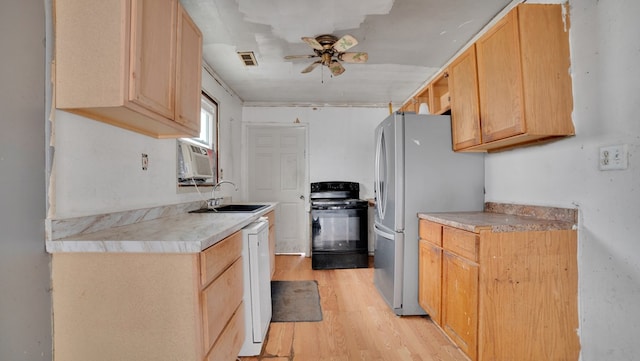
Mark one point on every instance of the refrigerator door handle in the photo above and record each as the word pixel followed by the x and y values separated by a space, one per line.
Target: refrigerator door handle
pixel 383 233
pixel 379 178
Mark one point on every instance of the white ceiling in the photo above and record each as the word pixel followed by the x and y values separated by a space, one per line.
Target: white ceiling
pixel 407 42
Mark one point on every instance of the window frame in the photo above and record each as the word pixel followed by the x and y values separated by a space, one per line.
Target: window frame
pixel 209 105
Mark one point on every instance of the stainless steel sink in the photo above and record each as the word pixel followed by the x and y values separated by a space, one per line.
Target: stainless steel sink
pixel 232 208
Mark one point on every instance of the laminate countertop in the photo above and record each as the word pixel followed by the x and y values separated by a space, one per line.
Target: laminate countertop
pixel 179 233
pixel 500 217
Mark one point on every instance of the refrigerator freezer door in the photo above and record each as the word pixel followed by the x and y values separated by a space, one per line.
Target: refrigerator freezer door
pixel 388 265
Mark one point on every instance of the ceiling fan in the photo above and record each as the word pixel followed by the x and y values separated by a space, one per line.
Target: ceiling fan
pixel 331 51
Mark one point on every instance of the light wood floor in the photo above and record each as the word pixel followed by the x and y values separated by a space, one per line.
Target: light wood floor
pixel 357 324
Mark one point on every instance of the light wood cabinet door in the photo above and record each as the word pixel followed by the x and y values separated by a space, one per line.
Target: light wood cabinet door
pixel 188 71
pixel 460 302
pixel 116 61
pixel 430 279
pixel 500 80
pixel 153 55
pixel 465 105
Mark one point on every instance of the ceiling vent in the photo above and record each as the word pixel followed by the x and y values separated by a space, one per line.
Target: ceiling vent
pixel 248 58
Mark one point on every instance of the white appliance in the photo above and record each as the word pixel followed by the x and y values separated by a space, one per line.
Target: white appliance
pixel 194 162
pixel 257 285
pixel 416 171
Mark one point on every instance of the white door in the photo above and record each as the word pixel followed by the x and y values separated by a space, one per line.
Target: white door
pixel 277 172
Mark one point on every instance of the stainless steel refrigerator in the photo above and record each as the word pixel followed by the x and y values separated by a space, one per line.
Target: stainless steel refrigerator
pixel 416 171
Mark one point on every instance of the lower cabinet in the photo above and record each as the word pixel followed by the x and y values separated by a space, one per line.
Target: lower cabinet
pixel 460 302
pixel 142 306
pixel 430 286
pixel 502 295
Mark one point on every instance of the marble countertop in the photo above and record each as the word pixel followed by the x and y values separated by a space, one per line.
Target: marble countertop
pixel 508 218
pixel 179 233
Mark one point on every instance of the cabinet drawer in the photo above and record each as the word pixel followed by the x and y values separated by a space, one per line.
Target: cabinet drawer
pixel 218 257
pixel 220 300
pixel 231 340
pixel 430 231
pixel 460 242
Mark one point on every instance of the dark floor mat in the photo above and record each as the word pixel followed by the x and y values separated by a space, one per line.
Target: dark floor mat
pixel 295 301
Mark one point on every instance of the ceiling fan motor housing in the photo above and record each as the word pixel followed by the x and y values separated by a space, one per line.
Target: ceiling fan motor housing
pixel 326 40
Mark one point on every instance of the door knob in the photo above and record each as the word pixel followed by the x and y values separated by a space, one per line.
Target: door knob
pixel 301 196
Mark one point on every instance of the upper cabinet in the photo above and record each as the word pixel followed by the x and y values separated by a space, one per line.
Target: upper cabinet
pixel 135 64
pixel 465 105
pixel 435 95
pixel 439 94
pixel 513 86
pixel 188 72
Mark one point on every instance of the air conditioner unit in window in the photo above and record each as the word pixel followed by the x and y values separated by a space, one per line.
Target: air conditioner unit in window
pixel 195 163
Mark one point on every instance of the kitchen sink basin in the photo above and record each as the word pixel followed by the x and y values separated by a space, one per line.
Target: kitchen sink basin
pixel 233 208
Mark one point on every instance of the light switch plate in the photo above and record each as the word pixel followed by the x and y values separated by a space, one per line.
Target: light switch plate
pixel 613 157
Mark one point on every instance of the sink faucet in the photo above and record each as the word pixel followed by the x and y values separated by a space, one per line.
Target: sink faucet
pixel 216 201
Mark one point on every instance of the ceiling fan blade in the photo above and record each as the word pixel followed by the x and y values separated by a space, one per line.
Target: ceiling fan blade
pixel 336 68
pixel 344 43
pixel 311 67
pixel 289 57
pixel 312 42
pixel 358 57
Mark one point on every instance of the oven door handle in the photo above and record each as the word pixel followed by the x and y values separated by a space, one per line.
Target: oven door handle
pixel 383 233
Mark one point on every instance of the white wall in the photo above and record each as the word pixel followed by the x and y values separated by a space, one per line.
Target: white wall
pixel 341 140
pixel 25 298
pixel 605 52
pixel 97 167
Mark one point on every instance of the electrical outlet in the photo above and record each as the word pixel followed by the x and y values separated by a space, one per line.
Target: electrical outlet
pixel 145 161
pixel 613 157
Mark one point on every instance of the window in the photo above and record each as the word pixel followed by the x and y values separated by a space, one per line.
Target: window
pixel 208 137
pixel 208 123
